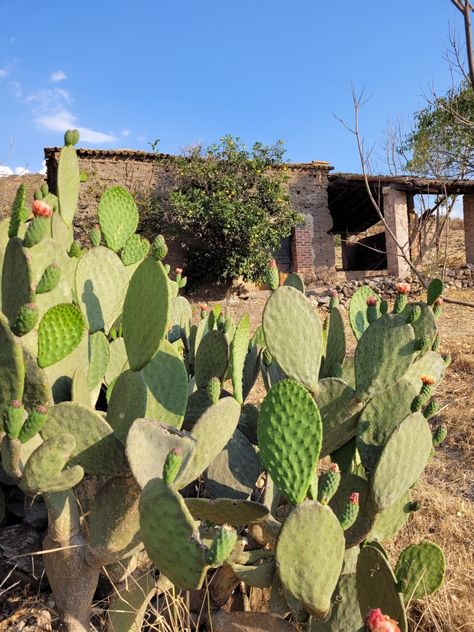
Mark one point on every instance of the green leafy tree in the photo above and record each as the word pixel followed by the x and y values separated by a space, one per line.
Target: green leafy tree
pixel 233 204
pixel 442 143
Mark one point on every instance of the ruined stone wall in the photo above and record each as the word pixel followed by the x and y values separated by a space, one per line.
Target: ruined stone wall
pixel 9 186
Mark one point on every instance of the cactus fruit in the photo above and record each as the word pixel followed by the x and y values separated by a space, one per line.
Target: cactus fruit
pixel 431 409
pixel 214 389
pixel 383 307
pixel 350 511
pixel 49 279
pixel 159 249
pixel 75 251
pixel 26 319
pixel 95 235
pixel 39 208
pixel 33 423
pixel 36 231
pixel 402 297
pixel 328 484
pixel 172 465
pixel 13 421
pixel 423 343
pixel 439 435
pixel 372 309
pixel 222 545
pixel 376 621
pixel 71 137
pixel 425 392
pixel 272 276
pixel 414 314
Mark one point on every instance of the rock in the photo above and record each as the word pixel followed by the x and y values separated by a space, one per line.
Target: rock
pixel 249 622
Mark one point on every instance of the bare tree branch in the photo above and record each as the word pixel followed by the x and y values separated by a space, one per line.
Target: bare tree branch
pixel 466 9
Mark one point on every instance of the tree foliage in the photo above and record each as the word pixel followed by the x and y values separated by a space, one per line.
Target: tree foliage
pixel 442 142
pixel 233 206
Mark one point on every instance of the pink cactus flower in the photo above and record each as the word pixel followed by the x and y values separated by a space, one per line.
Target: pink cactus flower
pixel 41 209
pixel 376 621
pixel 354 498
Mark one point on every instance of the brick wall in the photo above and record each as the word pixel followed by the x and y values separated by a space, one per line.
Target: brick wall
pixel 468 203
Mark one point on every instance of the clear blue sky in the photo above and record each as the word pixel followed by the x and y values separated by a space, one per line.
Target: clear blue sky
pixel 193 70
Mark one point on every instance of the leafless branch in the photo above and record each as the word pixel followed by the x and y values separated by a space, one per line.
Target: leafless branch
pixel 465 8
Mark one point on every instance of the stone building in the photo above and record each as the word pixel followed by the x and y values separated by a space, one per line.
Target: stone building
pixel 333 204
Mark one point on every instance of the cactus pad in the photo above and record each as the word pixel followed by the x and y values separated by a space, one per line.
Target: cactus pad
pixel 351 483
pixel 101 283
pixel 293 335
pixel 239 348
pixel 226 511
pixel 289 437
pixel 402 460
pixel 145 312
pixel 345 614
pixel 377 586
pixel 135 249
pixel 171 536
pixel 118 217
pixel 96 448
pixel 336 344
pixel 212 358
pixel 384 353
pixel 99 354
pixel 148 445
pixel 311 579
pixel 294 280
pixel 12 367
pixel 19 212
pixel 117 360
pixel 17 279
pixel 358 309
pixel 434 291
pixel 425 324
pixel 431 363
pixel 389 521
pixel 68 184
pixel 420 570
pixel 44 469
pixel 60 332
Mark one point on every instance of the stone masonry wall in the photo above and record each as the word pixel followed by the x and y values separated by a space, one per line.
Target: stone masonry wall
pixel 9 186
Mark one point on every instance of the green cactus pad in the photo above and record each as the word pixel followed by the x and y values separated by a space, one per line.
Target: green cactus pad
pixel 380 417
pixel 389 521
pixel 212 358
pixel 294 280
pixel 68 184
pixel 99 354
pixel 377 586
pixel 402 460
pixel 226 511
pixel 384 353
pixel 101 283
pixel 339 413
pixel 145 312
pixel 37 389
pixel 434 291
pixel 135 249
pixel 71 137
pixel 96 449
pixel 80 392
pixel 19 212
pixel 212 431
pixel 171 536
pixel 345 614
pixel 289 437
pixel 234 472
pixel 128 402
pixel 351 483
pixel 37 230
pixel 420 570
pixel 118 217
pixel 358 309
pixel 60 374
pixel 425 324
pixel 181 314
pixel 49 279
pixel 310 578
pixel 44 469
pixel 17 279
pixel 12 366
pixel 167 382
pixel 60 332
pixel 431 363
pixel 148 444
pixel 117 360
pixel 238 349
pixel 336 343
pixel 260 576
pixel 60 231
pixel 293 335
pixel 113 525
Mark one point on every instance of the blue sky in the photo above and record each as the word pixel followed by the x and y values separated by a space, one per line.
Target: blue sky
pixel 188 71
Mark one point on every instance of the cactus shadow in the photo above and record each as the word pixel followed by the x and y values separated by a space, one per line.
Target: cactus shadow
pixel 94 313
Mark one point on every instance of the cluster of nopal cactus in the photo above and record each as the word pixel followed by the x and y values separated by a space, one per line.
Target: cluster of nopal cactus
pixel 104 376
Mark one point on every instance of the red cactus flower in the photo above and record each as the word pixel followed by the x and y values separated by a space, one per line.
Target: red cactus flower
pixel 403 288
pixel 179 270
pixel 376 621
pixel 272 263
pixel 41 209
pixel 354 498
pixel 427 379
pixel 372 300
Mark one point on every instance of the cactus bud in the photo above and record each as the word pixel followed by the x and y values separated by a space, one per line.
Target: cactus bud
pixel 171 466
pixel 71 137
pixel 372 309
pixel 334 300
pixel 37 195
pixel 214 389
pixel 222 545
pixel 423 343
pixel 159 249
pixel 328 484
pixel 203 310
pixel 272 276
pixel 75 251
pixel 41 209
pixel 33 423
pixel 49 279
pixel 178 272
pixel 439 435
pixel 425 392
pixel 376 621
pixel 14 419
pixel 95 235
pixel 414 314
pixel 26 319
pixel 383 307
pixel 402 297
pixel 350 511
pixel 431 409
pixel 438 307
